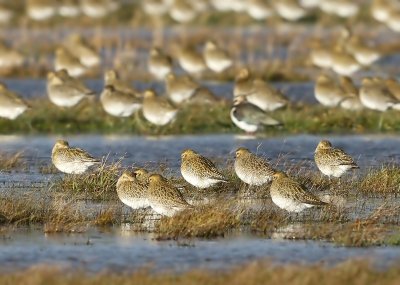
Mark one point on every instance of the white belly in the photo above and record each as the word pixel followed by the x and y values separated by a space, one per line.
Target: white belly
pixel 249 128
pixel 197 181
pixel 288 204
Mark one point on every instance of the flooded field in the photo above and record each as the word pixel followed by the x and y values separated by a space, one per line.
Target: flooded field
pixel 119 249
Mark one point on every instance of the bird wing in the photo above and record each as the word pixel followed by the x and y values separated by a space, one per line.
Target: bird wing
pixel 300 194
pixel 84 155
pixel 251 114
pixel 212 168
pixel 342 158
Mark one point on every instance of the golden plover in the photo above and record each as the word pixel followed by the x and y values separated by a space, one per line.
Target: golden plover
pixel 216 58
pixel 266 97
pixel 259 9
pixel 199 170
pixel 132 192
pixel 182 11
pixel 79 48
pixel 65 60
pixel 64 90
pixel 243 83
pixel 157 110
pixel 71 160
pixel 394 87
pixel 11 105
pixel 252 169
pixel 191 61
pixel 142 175
pixel 69 8
pixel 203 96
pixel 118 103
pixel 41 10
pixel 352 99
pixel 290 10
pixel 327 92
pixel 332 161
pixel 111 77
pixel 180 88
pixel 159 64
pixel 249 117
pixel 376 96
pixel 164 198
pixel 290 195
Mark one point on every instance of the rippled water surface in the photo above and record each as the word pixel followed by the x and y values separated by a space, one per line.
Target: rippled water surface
pixel 121 249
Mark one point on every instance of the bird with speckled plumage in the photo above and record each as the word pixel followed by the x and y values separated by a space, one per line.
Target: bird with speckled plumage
pixel 164 198
pixel 199 171
pixel 290 195
pixel 131 191
pixel 252 169
pixel 71 160
pixel 332 161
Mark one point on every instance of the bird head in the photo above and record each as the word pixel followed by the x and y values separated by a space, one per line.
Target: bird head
pixel 279 174
pixel 241 151
pixel 324 144
pixel 187 153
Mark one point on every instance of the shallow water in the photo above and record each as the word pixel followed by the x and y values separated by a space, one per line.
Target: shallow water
pixel 368 150
pixel 121 249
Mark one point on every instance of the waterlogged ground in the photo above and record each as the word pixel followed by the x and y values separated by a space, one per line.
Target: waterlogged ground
pixel 308 237
pixel 120 249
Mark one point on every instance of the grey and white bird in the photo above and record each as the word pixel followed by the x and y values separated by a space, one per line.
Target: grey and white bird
pixel 249 117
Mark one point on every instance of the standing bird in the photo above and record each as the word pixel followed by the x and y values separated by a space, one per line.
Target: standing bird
pixel 327 92
pixel 111 77
pixel 290 195
pixel 180 88
pixel 71 160
pixel 65 60
pixel 11 105
pixel 266 97
pixel 164 198
pixel 216 58
pixel 243 83
pixel 376 96
pixel 249 117
pixel 158 110
pixel 64 90
pixel 332 161
pixel 118 103
pixel 199 170
pixel 159 64
pixel 191 61
pixel 131 191
pixel 252 169
pixel 352 99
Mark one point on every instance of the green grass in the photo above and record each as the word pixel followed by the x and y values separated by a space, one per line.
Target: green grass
pixel 88 117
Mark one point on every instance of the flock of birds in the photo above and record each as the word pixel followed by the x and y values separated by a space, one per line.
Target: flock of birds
pixel 142 189
pixel 254 99
pixel 186 11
